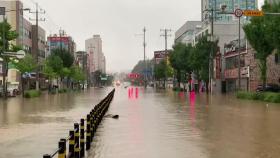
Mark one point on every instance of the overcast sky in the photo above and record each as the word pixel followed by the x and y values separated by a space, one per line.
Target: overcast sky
pixel 118 22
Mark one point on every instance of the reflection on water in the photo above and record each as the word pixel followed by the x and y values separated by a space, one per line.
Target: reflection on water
pixel 152 124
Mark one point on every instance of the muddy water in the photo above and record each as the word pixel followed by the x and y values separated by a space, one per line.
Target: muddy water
pixel 152 124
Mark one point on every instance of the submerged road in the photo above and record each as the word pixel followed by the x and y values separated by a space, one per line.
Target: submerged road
pixel 152 124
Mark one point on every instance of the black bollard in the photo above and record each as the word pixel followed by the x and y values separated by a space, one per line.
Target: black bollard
pixel 82 138
pixel 88 138
pixel 76 138
pixel 62 148
pixel 46 156
pixel 71 144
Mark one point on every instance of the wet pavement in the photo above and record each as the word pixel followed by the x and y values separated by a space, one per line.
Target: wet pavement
pixel 152 124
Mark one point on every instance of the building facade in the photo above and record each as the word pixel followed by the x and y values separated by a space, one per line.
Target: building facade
pixel 62 41
pixel 249 67
pixel 186 33
pixel 231 5
pixel 26 31
pixel 97 59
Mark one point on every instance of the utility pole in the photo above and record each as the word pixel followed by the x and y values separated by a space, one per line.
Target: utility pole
pixel 36 47
pixel 3 10
pixel 60 40
pixel 165 35
pixel 239 45
pixel 144 45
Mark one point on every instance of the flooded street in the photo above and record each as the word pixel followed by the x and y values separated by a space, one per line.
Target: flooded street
pixel 152 124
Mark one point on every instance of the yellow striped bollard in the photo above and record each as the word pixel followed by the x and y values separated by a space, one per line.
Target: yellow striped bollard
pixel 82 138
pixel 76 138
pixel 71 143
pixel 88 138
pixel 62 148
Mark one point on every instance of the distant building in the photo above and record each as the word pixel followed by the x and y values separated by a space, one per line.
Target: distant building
pixel 186 33
pixel 62 41
pixel 97 59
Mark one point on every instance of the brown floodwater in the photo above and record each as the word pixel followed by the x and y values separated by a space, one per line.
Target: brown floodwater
pixel 152 124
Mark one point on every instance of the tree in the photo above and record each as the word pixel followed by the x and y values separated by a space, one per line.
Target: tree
pixel 6 45
pixel 55 62
pixel 273 22
pixel 9 35
pixel 25 65
pixel 259 34
pixel 77 74
pixel 66 57
pixel 179 60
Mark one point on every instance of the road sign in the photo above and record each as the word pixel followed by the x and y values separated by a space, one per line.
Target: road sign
pixel 20 54
pixel 253 13
pixel 238 13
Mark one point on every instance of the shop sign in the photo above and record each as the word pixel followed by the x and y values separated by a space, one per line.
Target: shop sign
pixel 231 73
pixel 231 48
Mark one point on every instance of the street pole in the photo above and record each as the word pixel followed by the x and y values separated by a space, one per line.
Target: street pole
pixel 239 77
pixel 211 53
pixel 4 61
pixel 36 46
pixel 144 45
pixel 166 52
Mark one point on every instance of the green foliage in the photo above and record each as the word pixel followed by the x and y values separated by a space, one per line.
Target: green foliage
pixel 32 94
pixel 55 63
pixel 200 57
pixel 273 23
pixel 64 90
pixel 9 35
pixel 77 74
pixel 65 72
pixel 262 96
pixel 27 64
pixel 48 71
pixel 160 70
pixel 263 34
pixel 186 58
pixel 66 57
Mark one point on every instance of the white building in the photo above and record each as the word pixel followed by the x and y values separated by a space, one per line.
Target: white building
pixel 94 46
pixel 186 33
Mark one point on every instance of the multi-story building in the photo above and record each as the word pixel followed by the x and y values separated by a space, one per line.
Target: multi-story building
pixel 25 30
pixel 41 52
pixel 231 5
pixel 94 48
pixel 249 69
pixel 62 41
pixel 186 33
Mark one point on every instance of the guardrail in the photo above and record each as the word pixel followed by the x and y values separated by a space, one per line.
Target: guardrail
pixel 77 141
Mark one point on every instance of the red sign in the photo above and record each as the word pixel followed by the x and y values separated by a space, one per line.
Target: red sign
pixel 231 73
pixel 159 56
pixel 134 75
pixel 59 39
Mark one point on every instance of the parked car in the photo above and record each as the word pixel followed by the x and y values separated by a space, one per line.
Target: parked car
pixel 268 88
